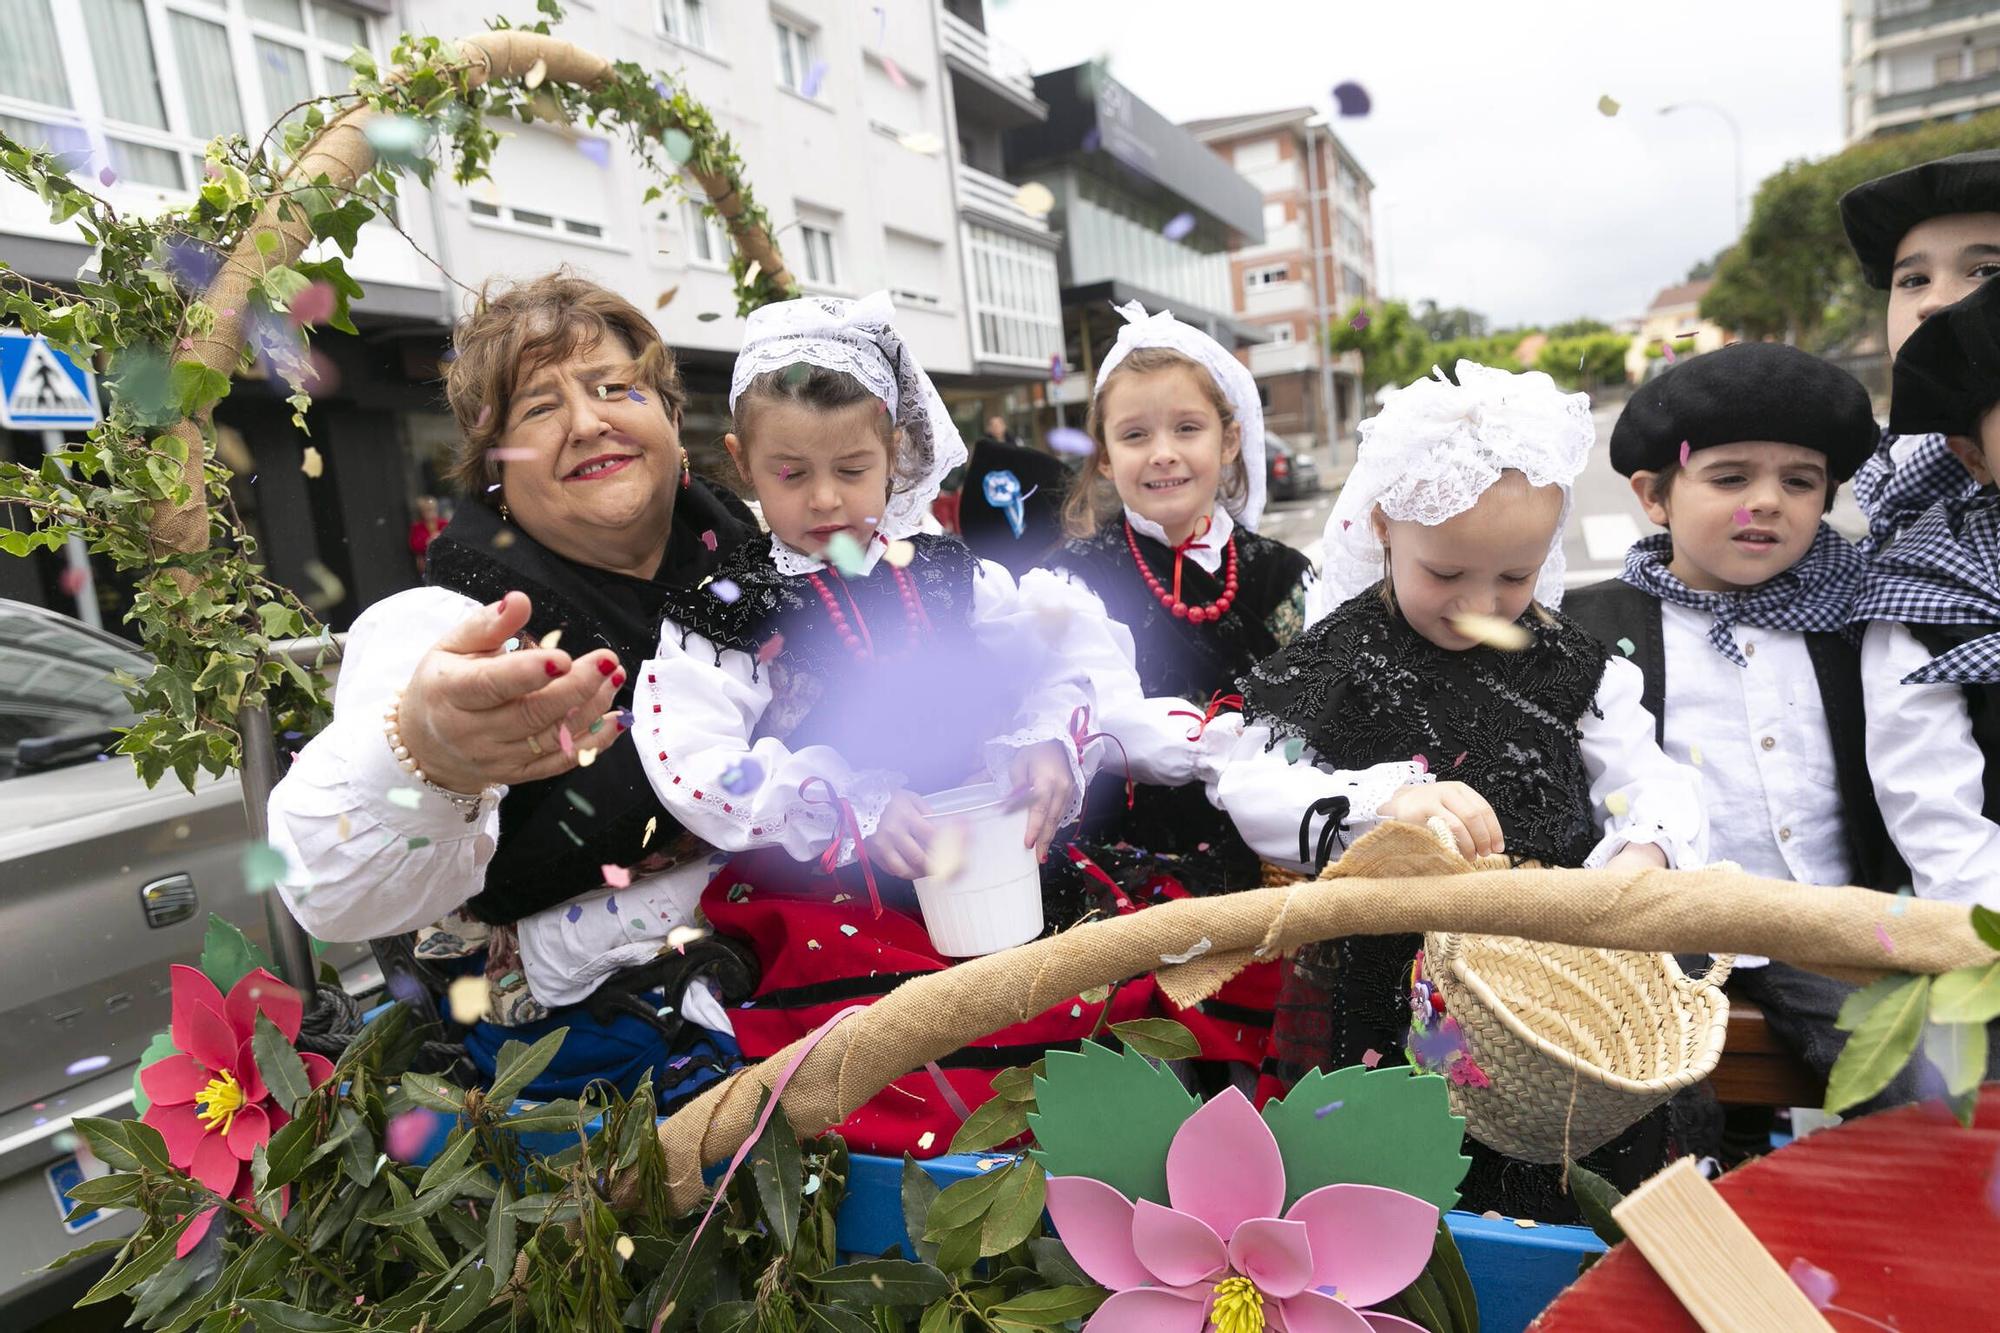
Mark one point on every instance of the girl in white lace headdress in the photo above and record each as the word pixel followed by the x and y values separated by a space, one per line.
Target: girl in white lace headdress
pixel 802 699
pixel 1444 653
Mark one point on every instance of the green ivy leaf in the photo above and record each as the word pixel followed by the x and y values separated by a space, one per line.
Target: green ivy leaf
pixel 1159 1038
pixel 341 225
pixel 1110 1115
pixel 1967 995
pixel 195 388
pixel 1884 1040
pixel 1388 1127
pixel 282 285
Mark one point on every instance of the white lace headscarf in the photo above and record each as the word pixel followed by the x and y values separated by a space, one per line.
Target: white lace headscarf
pixel 1435 447
pixel 858 337
pixel 1231 375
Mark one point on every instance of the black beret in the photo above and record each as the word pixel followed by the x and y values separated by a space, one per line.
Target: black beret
pixel 1878 214
pixel 1747 391
pixel 1043 478
pixel 1948 372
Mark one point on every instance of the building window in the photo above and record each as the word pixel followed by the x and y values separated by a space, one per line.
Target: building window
pixel 797 49
pixel 1274 218
pixel 817 242
pixel 1256 154
pixel 1353 287
pixel 540 182
pixel 1985 60
pixel 708 239
pixel 1282 334
pixel 1016 298
pixel 686 21
pixel 1265 275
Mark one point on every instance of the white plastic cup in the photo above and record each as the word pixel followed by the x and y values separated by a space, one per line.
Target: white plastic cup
pixel 992 900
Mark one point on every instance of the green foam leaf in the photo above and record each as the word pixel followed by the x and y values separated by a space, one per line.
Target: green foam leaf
pixel 158 1049
pixel 1356 1126
pixel 1109 1115
pixel 228 955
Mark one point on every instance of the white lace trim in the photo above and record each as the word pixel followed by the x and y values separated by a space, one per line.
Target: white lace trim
pixel 859 339
pixel 1000 753
pixel 1209 554
pixel 1161 329
pixel 1435 447
pixel 796 564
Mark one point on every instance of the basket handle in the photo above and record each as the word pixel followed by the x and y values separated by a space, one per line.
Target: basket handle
pixel 1718 972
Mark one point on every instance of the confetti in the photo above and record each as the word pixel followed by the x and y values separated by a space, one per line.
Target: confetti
pixel 1607 105
pixel 770 648
pixel 707 317
pixel 536 73
pixel 1617 803
pixel 899 553
pixel 90 1064
pixel 652 827
pixel 597 150
pixel 1178 226
pixel 1327 1110
pixel 397 139
pixel 895 72
pixel 844 554
pixel 578 800
pixel 328 591
pixel 811 1186
pixel 1351 98
pixel 746 775
pixel 1422 762
pixel 1294 747
pixel 1686 450
pixel 708 539
pixel 1371 1057
pixel 1882 938
pixel 73 581
pixel 408 1133
pixel 682 936
pixel 586 757
pixel 750 274
pixel 1525 1223
pixel 635 395
pixel 1056 368
pixel 1200 947
pixel 1461 758
pixel 947 852
pixel 725 591
pixel 677 146
pixel 574 914
pixel 565 740
pixel 666 298
pixel 417 844
pixel 1076 1011
pixel 925 1140
pixel 469 999
pixel 618 877
pixel 1359 322
pixel 550 640
pixel 108 177
pixel 407 797
pixel 342 829
pixel 813 945
pixel 1070 440
pixel 1667 351
pixel 923 141
pixel 311 463
pixel 1035 199
pixel 314 305
pixel 849 931
pixel 815 76
pixel 1492 631
pixel 611 904
pixel 624 1247
pixel 1819 1285
pixel 485 415
pixel 264 865
pixel 510 455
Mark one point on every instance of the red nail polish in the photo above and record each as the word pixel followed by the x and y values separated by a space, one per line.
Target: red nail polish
pixel 618 680
pixel 552 669
pixel 605 666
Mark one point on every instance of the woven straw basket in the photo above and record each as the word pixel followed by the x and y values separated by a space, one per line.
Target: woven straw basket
pixel 1579 1044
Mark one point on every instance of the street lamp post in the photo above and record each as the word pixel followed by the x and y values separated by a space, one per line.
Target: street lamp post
pixel 1736 142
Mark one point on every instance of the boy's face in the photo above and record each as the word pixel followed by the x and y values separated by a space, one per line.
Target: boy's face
pixel 1740 513
pixel 1939 261
pixel 1981 456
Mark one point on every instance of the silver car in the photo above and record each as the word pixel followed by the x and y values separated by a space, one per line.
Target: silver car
pixel 103 884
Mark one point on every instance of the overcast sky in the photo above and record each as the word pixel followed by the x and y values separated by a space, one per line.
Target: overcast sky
pixel 1498 184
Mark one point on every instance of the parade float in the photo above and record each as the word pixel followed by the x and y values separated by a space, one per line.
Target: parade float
pixel 282 1190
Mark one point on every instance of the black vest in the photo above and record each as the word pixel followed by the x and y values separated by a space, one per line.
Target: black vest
pixel 1982 703
pixel 1183 661
pixel 1614 610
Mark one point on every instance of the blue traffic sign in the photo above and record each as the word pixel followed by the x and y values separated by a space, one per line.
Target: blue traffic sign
pixel 41 388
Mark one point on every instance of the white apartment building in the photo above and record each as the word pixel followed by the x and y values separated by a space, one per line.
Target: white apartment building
pixel 1913 61
pixel 847 116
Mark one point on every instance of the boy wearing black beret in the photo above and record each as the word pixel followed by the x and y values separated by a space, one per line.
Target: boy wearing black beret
pixel 1928 236
pixel 1931 655
pixel 1737 617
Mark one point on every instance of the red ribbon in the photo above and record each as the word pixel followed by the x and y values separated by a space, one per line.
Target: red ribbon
pixel 1081 736
pixel 1216 704
pixel 845 825
pixel 1193 543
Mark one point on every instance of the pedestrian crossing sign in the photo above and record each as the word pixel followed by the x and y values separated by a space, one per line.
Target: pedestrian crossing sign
pixel 41 388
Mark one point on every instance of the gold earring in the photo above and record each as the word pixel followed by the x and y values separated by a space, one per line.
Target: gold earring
pixel 687 471
pixel 505 516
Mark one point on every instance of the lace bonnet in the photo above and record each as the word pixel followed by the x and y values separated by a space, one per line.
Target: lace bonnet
pixel 1234 378
pixel 1435 447
pixel 858 337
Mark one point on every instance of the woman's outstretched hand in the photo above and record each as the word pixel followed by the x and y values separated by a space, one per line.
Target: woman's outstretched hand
pixel 475 715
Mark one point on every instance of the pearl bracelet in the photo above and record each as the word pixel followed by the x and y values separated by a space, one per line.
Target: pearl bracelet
pixel 392 729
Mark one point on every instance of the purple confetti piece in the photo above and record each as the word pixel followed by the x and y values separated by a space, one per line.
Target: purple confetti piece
pixel 108 176
pixel 90 1064
pixel 1056 368
pixel 725 591
pixel 1327 1110
pixel 742 777
pixel 1093 139
pixel 1179 225
pixel 406 988
pixel 1070 440
pixel 574 914
pixel 1359 322
pixel 611 904
pixel 1351 98
pixel 597 150
pixel 815 76
pixel 1819 1285
pixel 625 718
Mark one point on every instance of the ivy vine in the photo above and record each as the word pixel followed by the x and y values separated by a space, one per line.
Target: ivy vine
pixel 145 489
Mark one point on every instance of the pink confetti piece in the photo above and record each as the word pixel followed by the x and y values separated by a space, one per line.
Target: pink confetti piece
pixel 1819 1286
pixel 408 1133
pixel 1742 517
pixel 771 647
pixel 186 344
pixel 108 176
pixel 618 877
pixel 1371 1057
pixel 510 455
pixel 1667 350
pixel 1422 762
pixel 314 305
pixel 708 539
pixel 1685 451
pixel 895 72
pixel 565 740
pixel 73 581
pixel 485 415
pixel 1461 758
pixel 1346 523
pixel 1882 938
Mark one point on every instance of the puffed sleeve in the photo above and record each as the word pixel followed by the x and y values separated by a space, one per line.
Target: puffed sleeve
pixel 695 714
pixel 1646 796
pixel 1040 610
pixel 1284 804
pixel 1929 773
pixel 369 851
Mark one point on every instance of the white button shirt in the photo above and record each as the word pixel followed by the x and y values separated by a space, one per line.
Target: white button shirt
pixel 1759 735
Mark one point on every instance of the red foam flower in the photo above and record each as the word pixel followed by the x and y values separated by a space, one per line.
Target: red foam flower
pixel 209 1100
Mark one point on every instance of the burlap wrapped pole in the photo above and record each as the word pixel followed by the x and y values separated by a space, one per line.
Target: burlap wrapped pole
pixel 341 152
pixel 1396 880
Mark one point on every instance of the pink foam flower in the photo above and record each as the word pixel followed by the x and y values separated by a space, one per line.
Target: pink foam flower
pixel 209 1100
pixel 1223 1256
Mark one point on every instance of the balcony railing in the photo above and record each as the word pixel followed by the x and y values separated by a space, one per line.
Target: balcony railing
pixel 1891 19
pixel 996 60
pixel 989 196
pixel 1985 85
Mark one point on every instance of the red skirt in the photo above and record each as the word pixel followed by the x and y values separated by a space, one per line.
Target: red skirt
pixel 819 956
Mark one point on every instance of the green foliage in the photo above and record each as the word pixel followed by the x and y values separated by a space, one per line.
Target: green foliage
pixel 209 617
pixel 1394 347
pixel 1791 275
pixel 1585 363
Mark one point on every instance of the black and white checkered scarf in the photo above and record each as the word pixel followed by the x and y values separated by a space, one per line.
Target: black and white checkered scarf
pixel 1943 569
pixel 1813 596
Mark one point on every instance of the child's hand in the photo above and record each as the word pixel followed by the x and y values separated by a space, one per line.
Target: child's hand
pixel 901 843
pixel 1465 812
pixel 1042 779
pixel 1638 856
